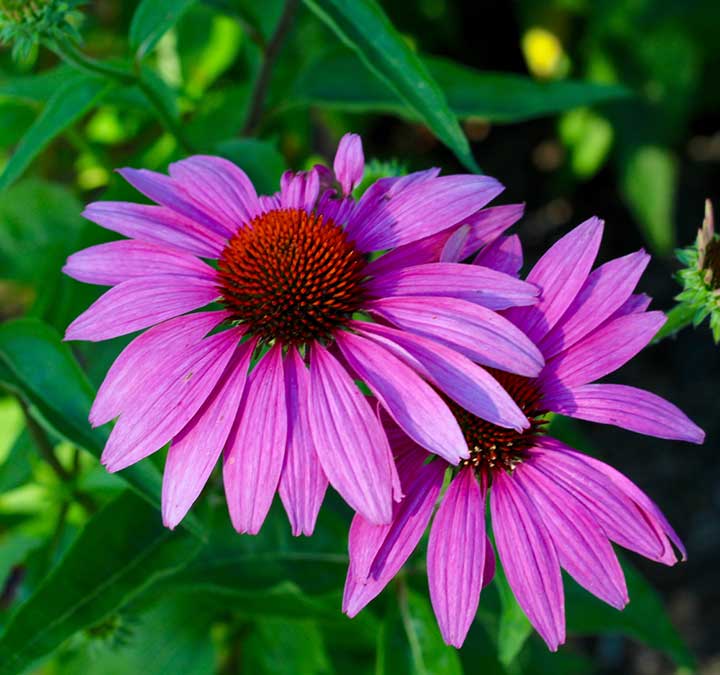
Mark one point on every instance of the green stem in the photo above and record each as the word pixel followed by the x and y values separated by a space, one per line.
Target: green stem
pixel 679 317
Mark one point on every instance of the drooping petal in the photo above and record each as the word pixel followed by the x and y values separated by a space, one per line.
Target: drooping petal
pixel 582 547
pixel 618 515
pixel 504 255
pixel 117 261
pixel 388 547
pixel 477 332
pixel 481 285
pixel 455 374
pixel 560 274
pixel 169 403
pixel 627 407
pixel 411 402
pixel 195 450
pixel 156 224
pixel 156 353
pixel 605 291
pixel 219 187
pixel 255 449
pixel 483 227
pixel 423 209
pixel 139 303
pixel 350 443
pixel 300 190
pixel 456 557
pixel 349 164
pixel 529 558
pixel 602 352
pixel 168 192
pixel 302 482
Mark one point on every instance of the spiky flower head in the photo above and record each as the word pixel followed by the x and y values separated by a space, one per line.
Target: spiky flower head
pixel 701 275
pixel 24 23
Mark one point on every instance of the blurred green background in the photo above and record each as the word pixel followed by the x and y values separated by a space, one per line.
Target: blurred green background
pixel 578 107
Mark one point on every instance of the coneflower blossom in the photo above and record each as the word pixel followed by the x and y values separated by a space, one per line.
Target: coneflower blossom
pixel 266 374
pixel 551 506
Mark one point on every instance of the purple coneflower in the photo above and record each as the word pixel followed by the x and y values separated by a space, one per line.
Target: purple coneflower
pixel 551 506
pixel 266 374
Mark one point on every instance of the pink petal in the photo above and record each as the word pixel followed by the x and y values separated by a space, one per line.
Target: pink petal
pixel 154 354
pixel 462 380
pixel 422 209
pixel 194 452
pixel 350 443
pixel 477 332
pixel 302 482
pixel 481 285
pixel 529 558
pixel 139 303
pixel 627 407
pixel 559 274
pixel 300 190
pixel 349 163
pixel 411 402
pixel 167 404
pixel 115 262
pixel 456 557
pixel 634 304
pixel 255 449
pixel 504 255
pixel 603 351
pixel 156 224
pixel 483 227
pixel 452 251
pixel 218 187
pixel 604 292
pixel 583 549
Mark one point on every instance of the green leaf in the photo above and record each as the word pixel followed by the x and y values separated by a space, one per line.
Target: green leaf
pixel 152 19
pixel 259 159
pixel 121 551
pixel 644 619
pixel 38 87
pixel 339 80
pixel 16 468
pixel 363 26
pixel 68 103
pixel 42 369
pixel 514 627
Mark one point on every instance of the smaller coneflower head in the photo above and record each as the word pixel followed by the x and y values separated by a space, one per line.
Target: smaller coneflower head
pixel 700 277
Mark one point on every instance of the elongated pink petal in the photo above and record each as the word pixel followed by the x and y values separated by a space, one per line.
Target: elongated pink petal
pixel 139 303
pixel 617 514
pixel 388 547
pixel 477 332
pixel 422 209
pixel 627 407
pixel 169 403
pixel 168 192
pixel 156 224
pixel 350 443
pixel 604 291
pixel 603 351
pixel 504 255
pixel 302 482
pixel 299 190
pixel 462 380
pixel 255 449
pixel 456 557
pixel 483 227
pixel 560 274
pixel 219 187
pixel 194 452
pixel 411 402
pixel 452 251
pixel 481 285
pixel 641 500
pixel 349 163
pixel 583 549
pixel 633 305
pixel 117 261
pixel 489 568
pixel 153 354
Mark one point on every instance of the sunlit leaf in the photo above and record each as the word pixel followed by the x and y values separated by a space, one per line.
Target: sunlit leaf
pixel 152 19
pixel 514 627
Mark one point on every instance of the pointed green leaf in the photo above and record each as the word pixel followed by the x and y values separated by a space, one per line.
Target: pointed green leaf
pixel 152 19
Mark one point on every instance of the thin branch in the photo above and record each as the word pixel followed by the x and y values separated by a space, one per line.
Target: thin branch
pixel 257 100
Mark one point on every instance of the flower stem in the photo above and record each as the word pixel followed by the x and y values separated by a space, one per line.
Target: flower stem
pixel 678 317
pixel 257 100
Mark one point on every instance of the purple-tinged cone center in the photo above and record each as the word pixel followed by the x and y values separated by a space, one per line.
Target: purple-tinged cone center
pixel 291 276
pixel 493 448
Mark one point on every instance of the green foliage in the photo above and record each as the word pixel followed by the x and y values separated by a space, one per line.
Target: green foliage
pixel 152 19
